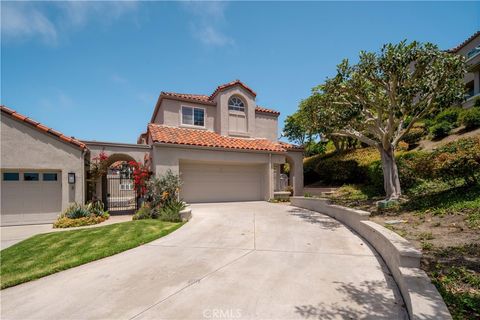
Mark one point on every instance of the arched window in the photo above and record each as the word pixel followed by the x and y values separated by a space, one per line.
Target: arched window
pixel 236 104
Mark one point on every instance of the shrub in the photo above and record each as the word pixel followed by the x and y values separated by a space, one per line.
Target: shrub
pixel 414 135
pixel 145 212
pixel 170 211
pixel 470 118
pixel 76 211
pixel 96 208
pixel 440 129
pixel 449 115
pixel 402 146
pixel 163 189
pixel 457 159
pixel 65 222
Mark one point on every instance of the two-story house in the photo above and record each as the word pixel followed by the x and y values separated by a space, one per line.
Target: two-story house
pixel 470 49
pixel 224 145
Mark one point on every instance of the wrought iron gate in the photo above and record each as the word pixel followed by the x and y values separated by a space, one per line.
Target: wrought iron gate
pixel 121 196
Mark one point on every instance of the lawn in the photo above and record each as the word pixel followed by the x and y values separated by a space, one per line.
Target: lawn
pixel 49 253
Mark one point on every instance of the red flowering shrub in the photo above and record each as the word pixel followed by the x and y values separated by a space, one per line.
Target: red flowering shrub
pixel 141 174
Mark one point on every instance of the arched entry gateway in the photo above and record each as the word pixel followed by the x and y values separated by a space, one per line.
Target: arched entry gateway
pixel 118 193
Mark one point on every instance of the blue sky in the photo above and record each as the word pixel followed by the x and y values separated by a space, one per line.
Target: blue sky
pixel 94 70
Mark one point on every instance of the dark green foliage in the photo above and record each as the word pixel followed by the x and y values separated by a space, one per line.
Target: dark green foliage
pixel 441 129
pixel 470 118
pixel 449 115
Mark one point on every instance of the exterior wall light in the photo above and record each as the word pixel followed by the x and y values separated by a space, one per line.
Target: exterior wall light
pixel 71 178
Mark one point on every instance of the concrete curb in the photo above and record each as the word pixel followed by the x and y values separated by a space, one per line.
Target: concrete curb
pixel 421 298
pixel 186 214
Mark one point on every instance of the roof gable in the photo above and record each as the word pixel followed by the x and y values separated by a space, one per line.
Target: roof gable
pixel 40 127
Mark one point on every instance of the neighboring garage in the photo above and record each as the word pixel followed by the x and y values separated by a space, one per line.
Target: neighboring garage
pixel 30 196
pixel 210 182
pixel 36 164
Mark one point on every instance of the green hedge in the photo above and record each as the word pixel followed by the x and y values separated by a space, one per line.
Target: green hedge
pixel 456 160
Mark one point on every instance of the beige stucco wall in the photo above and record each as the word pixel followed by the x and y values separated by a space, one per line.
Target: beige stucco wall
pixel 296 171
pixel 23 147
pixel 266 126
pixel 222 110
pixel 169 113
pixel 169 157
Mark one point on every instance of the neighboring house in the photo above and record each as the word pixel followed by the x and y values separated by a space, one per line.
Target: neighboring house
pixel 223 145
pixel 36 162
pixel 470 49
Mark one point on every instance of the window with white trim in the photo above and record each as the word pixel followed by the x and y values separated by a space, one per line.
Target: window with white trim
pixel 236 104
pixel 192 116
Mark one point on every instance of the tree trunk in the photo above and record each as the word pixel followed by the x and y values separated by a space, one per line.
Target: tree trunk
pixel 391 180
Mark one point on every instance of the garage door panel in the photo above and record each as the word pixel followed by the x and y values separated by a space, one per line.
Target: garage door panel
pixel 218 183
pixel 24 202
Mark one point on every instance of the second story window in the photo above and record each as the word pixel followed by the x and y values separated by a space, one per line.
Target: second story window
pixel 236 104
pixel 192 116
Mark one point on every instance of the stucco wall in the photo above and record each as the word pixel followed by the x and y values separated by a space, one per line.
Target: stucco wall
pixel 169 113
pixel 23 147
pixel 167 157
pixel 266 126
pixel 222 109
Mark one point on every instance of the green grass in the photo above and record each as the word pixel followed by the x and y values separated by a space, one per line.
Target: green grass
pixel 48 253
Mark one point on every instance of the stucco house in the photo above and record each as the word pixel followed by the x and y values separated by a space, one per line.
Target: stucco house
pixel 36 163
pixel 470 49
pixel 223 145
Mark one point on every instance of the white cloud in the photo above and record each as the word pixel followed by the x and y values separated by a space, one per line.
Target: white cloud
pixel 48 20
pixel 207 18
pixel 20 20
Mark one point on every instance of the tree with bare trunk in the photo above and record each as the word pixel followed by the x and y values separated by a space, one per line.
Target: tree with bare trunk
pixel 379 99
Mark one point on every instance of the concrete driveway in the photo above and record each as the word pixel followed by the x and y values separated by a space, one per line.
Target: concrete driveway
pixel 231 261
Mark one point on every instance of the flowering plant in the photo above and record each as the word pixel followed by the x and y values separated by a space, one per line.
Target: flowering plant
pixel 98 167
pixel 141 174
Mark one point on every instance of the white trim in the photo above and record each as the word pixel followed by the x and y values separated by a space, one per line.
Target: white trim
pixel 193 116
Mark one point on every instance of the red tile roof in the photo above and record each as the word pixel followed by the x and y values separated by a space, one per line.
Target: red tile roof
pixel 265 110
pixel 186 96
pixel 464 43
pixel 231 84
pixel 37 125
pixel 204 138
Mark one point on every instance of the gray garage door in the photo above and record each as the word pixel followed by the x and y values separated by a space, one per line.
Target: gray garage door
pixel 220 183
pixel 30 196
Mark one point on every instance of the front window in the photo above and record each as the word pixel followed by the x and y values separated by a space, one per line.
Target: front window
pixel 236 104
pixel 192 116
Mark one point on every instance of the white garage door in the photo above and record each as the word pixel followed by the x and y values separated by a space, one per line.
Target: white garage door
pixel 218 183
pixel 30 197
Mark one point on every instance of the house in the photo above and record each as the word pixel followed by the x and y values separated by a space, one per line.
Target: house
pixel 42 170
pixel 223 145
pixel 470 49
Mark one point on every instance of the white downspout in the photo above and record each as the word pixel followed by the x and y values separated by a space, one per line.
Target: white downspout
pixel 270 177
